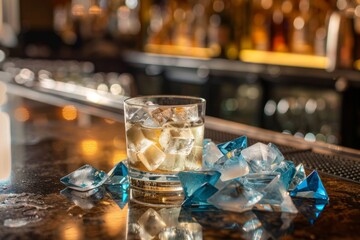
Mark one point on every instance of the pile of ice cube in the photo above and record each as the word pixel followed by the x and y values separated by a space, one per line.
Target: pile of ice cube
pixel 240 178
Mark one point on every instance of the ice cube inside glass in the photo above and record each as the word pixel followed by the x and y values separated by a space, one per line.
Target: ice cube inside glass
pixel 164 136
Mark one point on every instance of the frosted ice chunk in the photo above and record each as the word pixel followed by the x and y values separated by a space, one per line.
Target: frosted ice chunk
pixel 151 222
pixel 211 154
pixel 186 114
pixel 161 115
pixel 235 196
pixel 151 157
pixel 194 159
pixel 276 198
pixel 230 168
pixel 173 162
pixel 262 157
pixel 136 139
pixel 176 139
pixel 174 233
pixel 84 178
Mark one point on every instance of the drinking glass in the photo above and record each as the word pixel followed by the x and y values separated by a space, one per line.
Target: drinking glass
pixel 164 135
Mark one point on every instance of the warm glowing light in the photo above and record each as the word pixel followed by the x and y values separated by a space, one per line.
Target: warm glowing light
pixel 109 121
pixel 5 147
pixel 95 10
pixel 116 221
pixel 71 231
pixel 119 156
pixel 78 10
pixel 69 112
pixel 287 59
pixel 22 114
pixel 89 147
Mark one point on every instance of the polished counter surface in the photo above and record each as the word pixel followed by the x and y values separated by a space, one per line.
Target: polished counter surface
pixel 48 142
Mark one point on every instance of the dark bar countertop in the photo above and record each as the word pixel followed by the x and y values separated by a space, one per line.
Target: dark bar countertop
pixel 51 138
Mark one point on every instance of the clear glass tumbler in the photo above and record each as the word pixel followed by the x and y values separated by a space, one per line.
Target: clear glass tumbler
pixel 164 135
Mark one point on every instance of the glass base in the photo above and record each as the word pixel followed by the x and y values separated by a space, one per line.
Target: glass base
pixel 156 199
pixel 154 181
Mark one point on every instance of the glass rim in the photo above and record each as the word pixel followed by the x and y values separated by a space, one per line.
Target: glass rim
pixel 129 100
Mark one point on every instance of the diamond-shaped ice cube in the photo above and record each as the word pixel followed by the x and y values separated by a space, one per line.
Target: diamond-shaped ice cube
pixel 258 181
pixel 85 178
pixel 200 196
pixel 237 144
pixel 310 208
pixel 118 194
pixel 299 176
pixel 311 187
pixel 261 157
pixel 211 154
pixel 118 174
pixel 176 139
pixel 287 172
pixel 135 231
pixel 151 222
pixel 276 198
pixel 235 196
pixel 191 181
pixel 230 168
pixel 151 157
pixel 175 233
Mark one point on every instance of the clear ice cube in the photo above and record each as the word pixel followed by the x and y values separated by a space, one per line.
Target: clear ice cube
pixel 193 161
pixel 173 162
pixel 211 154
pixel 136 140
pixel 176 140
pixel 174 233
pixel 230 168
pixel 85 178
pixel 151 157
pixel 186 114
pixel 261 157
pixel 276 198
pixel 161 115
pixel 151 222
pixel 235 196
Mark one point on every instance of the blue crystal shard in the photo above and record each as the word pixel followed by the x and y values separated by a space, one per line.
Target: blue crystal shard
pixel 237 144
pixel 236 197
pixel 200 196
pixel 231 168
pixel 118 175
pixel 191 181
pixel 85 178
pixel 118 194
pixel 299 176
pixel 310 208
pixel 311 187
pixel 276 198
pixel 287 171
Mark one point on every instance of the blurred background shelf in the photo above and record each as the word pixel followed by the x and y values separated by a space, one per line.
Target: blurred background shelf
pixel 285 65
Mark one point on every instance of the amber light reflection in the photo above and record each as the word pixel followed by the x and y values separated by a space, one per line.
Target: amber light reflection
pixel 22 114
pixel 69 112
pixel 116 221
pixel 89 147
pixel 71 231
